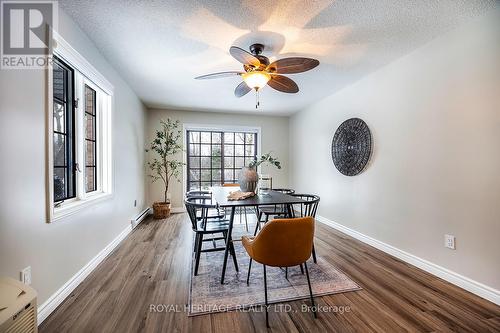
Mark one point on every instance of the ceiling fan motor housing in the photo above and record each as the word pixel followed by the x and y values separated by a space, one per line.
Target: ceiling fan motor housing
pixel 257 50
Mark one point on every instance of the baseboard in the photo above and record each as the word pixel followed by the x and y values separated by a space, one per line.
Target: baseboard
pixel 45 309
pixel 461 281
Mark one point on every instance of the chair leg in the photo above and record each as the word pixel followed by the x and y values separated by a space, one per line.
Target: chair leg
pixel 265 297
pixel 198 253
pixel 214 244
pixel 302 269
pixel 195 242
pixel 286 273
pixel 258 224
pixel 310 291
pixel 249 268
pixel 246 218
pixel 233 254
pixel 314 255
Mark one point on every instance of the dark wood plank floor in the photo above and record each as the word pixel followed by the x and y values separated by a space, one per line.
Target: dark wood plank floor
pixel 152 266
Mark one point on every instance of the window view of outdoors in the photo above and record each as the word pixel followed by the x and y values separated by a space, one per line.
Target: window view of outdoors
pixel 216 158
pixel 63 126
pixel 90 140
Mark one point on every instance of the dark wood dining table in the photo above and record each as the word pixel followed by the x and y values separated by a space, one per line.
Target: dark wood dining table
pixel 220 194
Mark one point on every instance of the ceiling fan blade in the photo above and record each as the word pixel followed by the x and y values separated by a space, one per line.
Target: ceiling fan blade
pixel 242 89
pixel 292 65
pixel 283 84
pixel 244 57
pixel 218 75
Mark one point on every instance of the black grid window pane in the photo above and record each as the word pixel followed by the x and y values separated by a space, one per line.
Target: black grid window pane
pixel 216 158
pixel 63 122
pixel 90 140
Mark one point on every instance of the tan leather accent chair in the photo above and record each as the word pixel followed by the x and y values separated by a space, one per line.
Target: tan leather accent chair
pixel 282 243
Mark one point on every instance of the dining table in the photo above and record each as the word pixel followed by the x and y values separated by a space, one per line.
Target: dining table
pixel 269 198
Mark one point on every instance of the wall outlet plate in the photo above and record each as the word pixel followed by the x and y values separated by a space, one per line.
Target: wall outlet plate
pixel 26 275
pixel 449 241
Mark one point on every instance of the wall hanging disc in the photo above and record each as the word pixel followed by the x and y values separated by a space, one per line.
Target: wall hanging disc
pixel 351 147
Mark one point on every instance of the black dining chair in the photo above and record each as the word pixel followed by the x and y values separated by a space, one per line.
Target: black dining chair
pixel 308 208
pixel 198 193
pixel 272 210
pixel 213 213
pixel 202 227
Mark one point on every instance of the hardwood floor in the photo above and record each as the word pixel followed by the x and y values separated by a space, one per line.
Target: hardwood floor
pixel 152 266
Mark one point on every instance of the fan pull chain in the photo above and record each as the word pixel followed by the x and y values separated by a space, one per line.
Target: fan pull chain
pixel 257 103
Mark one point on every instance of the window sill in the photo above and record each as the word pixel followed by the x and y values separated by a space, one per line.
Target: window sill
pixel 73 207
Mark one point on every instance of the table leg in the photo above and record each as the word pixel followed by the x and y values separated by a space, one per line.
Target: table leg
pixel 228 240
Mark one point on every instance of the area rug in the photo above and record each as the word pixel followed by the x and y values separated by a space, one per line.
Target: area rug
pixel 207 295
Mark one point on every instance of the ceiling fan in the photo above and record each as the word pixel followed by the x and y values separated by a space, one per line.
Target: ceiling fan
pixel 258 71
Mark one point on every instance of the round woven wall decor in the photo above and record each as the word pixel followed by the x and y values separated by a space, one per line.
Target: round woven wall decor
pixel 351 146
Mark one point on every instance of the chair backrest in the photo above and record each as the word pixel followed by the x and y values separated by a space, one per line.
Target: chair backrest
pixel 195 204
pixel 284 190
pixel 198 193
pixel 284 242
pixel 307 208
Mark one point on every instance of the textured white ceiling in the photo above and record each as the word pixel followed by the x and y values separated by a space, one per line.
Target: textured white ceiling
pixel 160 46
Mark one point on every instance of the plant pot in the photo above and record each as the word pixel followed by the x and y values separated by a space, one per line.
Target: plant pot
pixel 161 210
pixel 248 179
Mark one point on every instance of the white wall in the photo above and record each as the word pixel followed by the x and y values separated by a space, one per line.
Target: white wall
pixel 58 250
pixel 435 120
pixel 274 137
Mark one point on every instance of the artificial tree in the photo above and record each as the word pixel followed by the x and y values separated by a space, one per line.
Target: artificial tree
pixel 164 165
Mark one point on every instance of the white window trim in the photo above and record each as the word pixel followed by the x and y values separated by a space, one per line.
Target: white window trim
pixel 105 100
pixel 219 128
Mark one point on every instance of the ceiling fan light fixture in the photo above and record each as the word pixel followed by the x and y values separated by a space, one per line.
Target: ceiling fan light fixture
pixel 256 79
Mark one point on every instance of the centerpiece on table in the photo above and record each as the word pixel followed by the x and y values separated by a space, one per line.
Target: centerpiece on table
pixel 248 176
pixel 164 165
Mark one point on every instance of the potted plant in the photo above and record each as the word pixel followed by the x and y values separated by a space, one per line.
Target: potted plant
pixel 249 178
pixel 164 166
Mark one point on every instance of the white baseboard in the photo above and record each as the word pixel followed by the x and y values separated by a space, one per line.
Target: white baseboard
pixel 45 309
pixel 461 281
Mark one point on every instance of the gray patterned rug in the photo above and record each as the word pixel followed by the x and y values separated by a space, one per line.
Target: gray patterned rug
pixel 208 295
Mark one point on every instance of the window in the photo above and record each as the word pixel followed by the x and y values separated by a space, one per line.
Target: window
pixel 63 131
pixel 90 140
pixel 79 159
pixel 216 157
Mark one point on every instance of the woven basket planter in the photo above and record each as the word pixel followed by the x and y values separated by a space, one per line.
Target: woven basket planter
pixel 161 210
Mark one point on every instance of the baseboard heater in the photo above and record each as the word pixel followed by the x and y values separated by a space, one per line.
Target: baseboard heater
pixel 141 216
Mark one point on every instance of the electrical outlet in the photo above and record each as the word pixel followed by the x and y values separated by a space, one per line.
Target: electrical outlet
pixel 26 275
pixel 449 241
